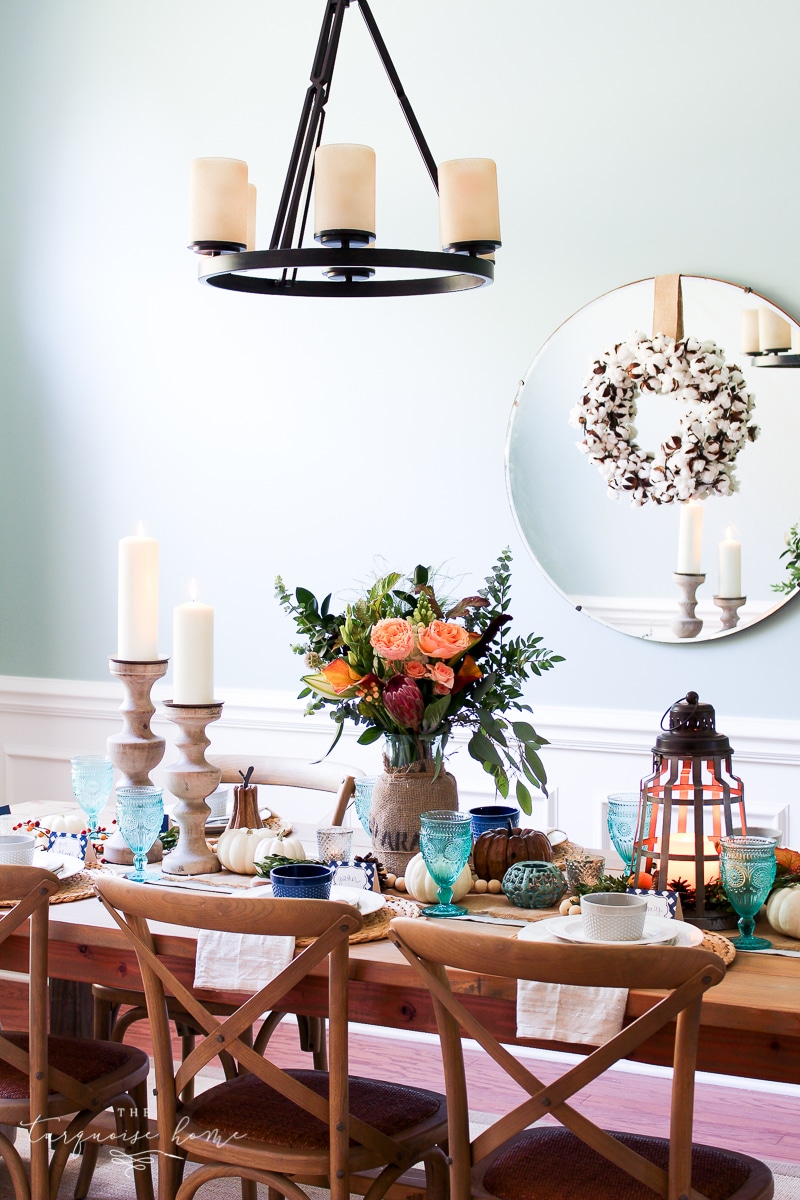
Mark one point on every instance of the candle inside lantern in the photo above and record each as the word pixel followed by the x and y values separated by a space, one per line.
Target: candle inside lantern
pixel 690 539
pixel 344 189
pixel 218 201
pixel 750 342
pixel 683 844
pixel 468 205
pixel 137 598
pixel 193 653
pixel 730 567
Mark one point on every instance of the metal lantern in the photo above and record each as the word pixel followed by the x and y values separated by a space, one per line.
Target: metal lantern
pixel 687 804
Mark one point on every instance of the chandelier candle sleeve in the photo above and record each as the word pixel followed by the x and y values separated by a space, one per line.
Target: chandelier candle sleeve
pixel 137 599
pixel 774 333
pixel 218 202
pixel 193 654
pixel 730 567
pixel 344 189
pixel 750 341
pixel 690 539
pixel 468 206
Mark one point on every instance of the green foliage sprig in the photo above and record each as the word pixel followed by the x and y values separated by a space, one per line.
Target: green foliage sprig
pixel 792 556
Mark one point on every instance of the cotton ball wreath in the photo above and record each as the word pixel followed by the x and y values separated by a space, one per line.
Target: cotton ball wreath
pixel 696 461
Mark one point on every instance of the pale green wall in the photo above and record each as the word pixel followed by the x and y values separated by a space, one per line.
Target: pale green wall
pixel 253 435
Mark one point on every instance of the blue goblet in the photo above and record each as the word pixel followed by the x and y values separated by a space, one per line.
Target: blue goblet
pixel 92 781
pixel 747 867
pixel 140 812
pixel 445 841
pixel 363 798
pixel 623 812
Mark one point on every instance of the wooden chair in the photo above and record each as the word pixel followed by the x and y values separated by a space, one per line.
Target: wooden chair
pixel 45 1081
pixel 271 1126
pixel 274 772
pixel 580 1160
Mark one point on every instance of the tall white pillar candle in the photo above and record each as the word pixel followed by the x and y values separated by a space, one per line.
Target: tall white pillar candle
pixel 193 654
pixel 468 205
pixel 750 342
pixel 344 188
pixel 690 539
pixel 730 567
pixel 774 332
pixel 137 599
pixel 218 201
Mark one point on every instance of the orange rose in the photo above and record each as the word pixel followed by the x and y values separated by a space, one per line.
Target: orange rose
pixel 444 639
pixel 442 676
pixel 415 669
pixel 392 638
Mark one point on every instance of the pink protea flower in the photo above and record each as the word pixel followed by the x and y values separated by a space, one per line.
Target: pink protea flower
pixel 403 701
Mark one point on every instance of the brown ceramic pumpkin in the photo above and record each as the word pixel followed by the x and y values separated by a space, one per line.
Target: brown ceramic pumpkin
pixel 498 849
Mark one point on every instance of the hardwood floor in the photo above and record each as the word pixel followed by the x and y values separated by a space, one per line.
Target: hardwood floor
pixel 763 1123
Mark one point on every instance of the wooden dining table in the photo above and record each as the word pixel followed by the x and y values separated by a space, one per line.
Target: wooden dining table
pixel 750 1023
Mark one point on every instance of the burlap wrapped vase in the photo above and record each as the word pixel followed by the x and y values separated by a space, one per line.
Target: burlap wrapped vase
pixel 399 796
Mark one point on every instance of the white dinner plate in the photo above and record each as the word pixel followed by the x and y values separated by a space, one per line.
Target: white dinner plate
pixel 62 865
pixel 365 901
pixel 658 931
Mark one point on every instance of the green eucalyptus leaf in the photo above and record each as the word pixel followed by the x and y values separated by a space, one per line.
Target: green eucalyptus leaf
pixel 524 798
pixel 482 749
pixel 370 735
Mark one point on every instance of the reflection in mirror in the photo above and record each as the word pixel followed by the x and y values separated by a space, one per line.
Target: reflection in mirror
pixel 654 569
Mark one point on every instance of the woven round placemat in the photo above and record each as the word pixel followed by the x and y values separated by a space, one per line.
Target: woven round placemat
pixel 376 924
pixel 77 887
pixel 720 945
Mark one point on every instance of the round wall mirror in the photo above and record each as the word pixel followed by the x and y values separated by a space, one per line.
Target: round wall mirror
pixel 618 561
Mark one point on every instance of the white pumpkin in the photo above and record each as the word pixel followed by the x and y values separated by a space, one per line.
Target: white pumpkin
pixel 71 822
pixel 783 910
pixel 289 847
pixel 421 885
pixel 237 850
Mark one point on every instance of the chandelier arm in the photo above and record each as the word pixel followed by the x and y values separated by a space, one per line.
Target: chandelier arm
pixel 308 129
pixel 405 103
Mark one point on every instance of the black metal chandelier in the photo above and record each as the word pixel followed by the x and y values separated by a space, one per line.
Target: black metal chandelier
pixel 345 261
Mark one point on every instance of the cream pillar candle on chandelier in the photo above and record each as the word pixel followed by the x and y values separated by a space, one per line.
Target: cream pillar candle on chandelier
pixel 469 213
pixel 344 194
pixel 218 203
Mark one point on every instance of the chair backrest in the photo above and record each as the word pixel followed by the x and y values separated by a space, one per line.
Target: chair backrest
pixel 329 923
pixel 31 889
pixel 293 772
pixel 683 973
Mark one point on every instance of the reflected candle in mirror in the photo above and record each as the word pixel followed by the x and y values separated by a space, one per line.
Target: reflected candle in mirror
pixel 774 332
pixel 730 567
pixel 750 341
pixel 690 539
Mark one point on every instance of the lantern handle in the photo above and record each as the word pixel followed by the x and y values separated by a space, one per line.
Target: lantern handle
pixel 691 698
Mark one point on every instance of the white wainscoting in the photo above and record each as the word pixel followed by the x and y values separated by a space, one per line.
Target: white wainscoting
pixel 593 752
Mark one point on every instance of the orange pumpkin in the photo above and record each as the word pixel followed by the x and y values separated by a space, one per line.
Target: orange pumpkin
pixel 498 849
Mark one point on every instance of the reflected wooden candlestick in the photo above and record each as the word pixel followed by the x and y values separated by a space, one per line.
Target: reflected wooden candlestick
pixel 730 606
pixel 687 625
pixel 135 750
pixel 190 780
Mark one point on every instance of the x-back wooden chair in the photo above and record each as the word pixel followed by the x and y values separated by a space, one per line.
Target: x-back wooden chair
pixel 271 1125
pixel 580 1161
pixel 45 1081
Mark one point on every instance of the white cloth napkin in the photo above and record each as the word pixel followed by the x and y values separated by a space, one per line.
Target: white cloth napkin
pixel 239 962
pixel 565 1013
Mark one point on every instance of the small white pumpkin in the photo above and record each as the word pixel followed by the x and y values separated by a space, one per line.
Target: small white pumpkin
pixel 237 850
pixel 783 910
pixel 421 885
pixel 71 822
pixel 289 847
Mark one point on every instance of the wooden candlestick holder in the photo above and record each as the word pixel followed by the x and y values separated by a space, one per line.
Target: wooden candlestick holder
pixel 135 750
pixel 730 606
pixel 687 625
pixel 190 780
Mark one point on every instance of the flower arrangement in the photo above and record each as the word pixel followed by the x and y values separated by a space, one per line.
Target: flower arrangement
pixel 407 664
pixel 714 424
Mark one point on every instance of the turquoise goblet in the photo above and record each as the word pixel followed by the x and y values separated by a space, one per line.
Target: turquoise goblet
pixel 140 812
pixel 747 868
pixel 92 781
pixel 622 819
pixel 445 841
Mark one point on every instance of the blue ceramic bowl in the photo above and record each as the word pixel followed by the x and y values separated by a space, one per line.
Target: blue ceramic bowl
pixel 493 816
pixel 302 881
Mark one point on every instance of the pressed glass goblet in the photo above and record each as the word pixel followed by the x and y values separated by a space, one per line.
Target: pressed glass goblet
pixel 445 841
pixel 363 799
pixel 140 812
pixel 747 868
pixel 622 817
pixel 92 781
